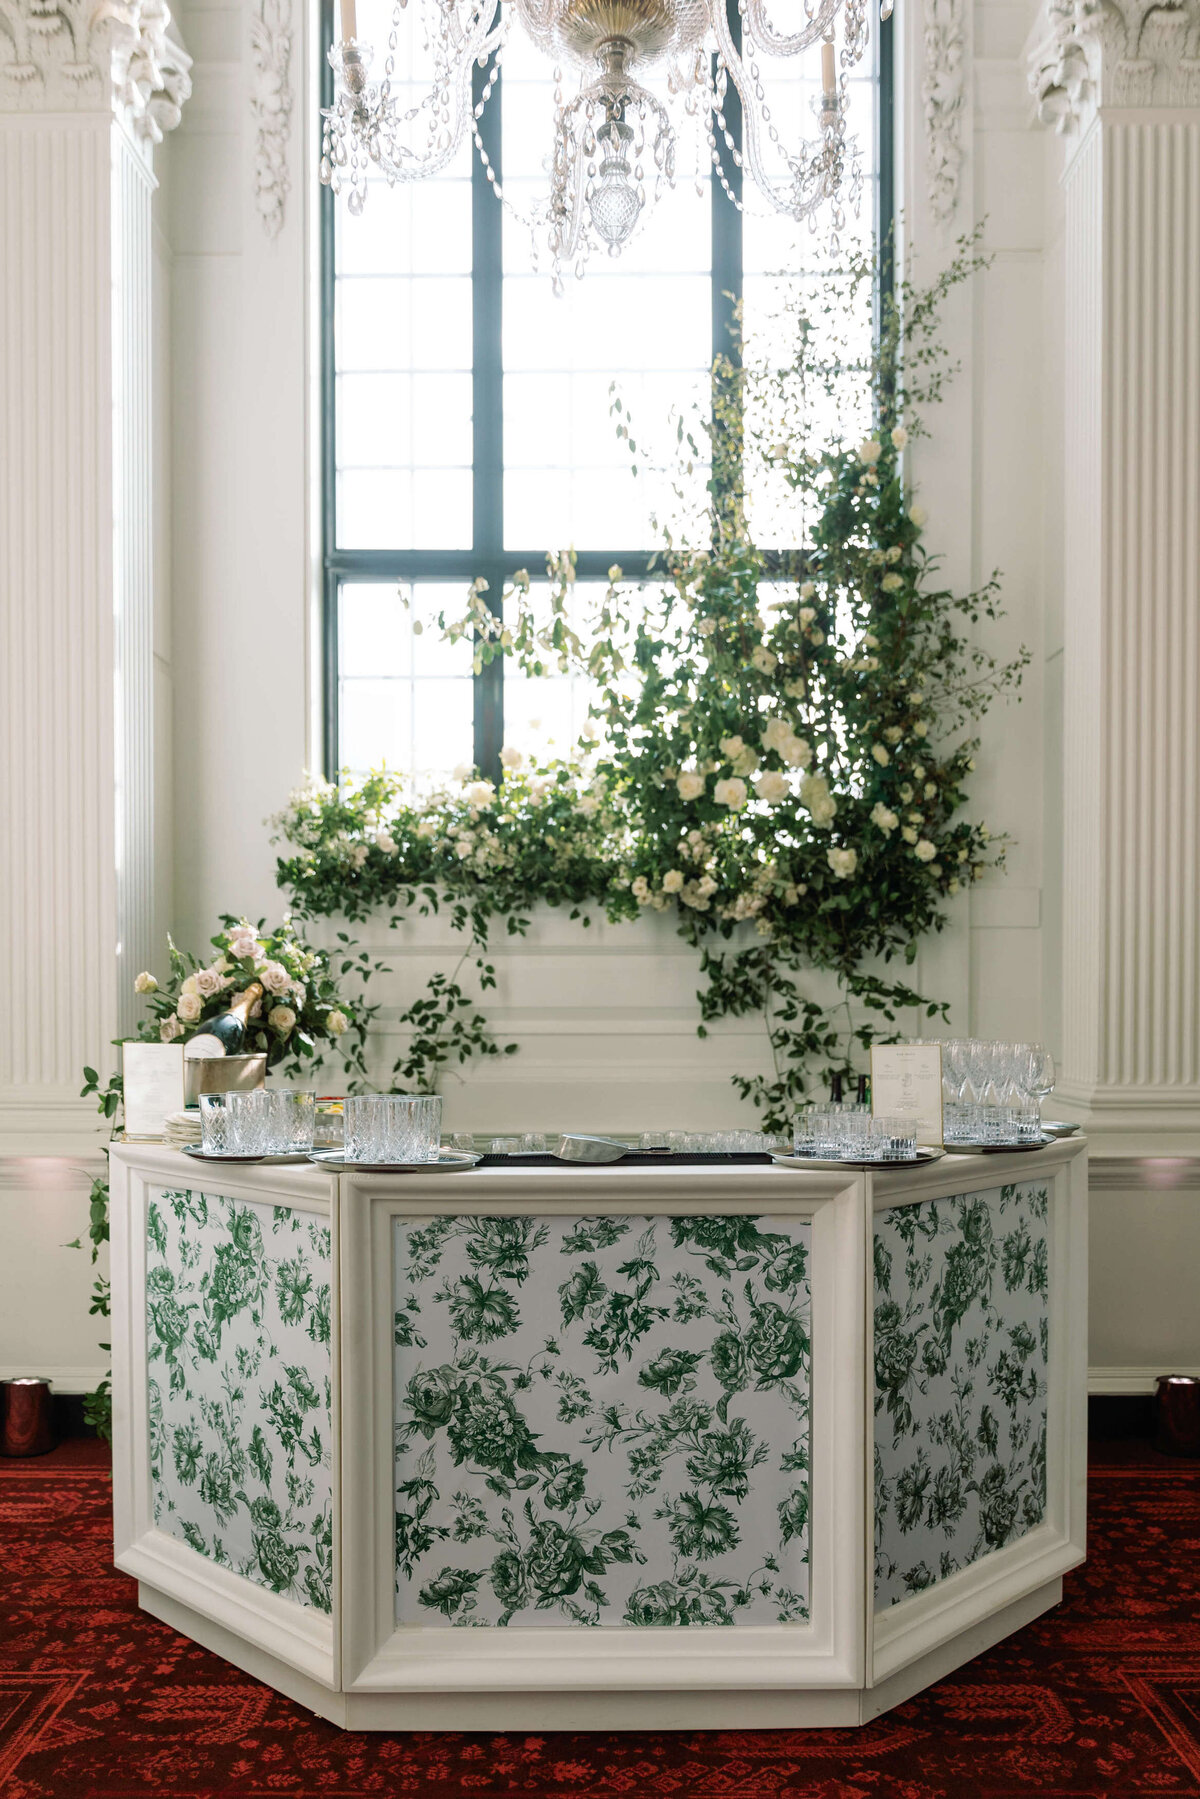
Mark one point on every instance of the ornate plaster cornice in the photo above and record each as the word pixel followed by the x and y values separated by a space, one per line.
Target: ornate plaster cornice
pixel 943 100
pixel 271 106
pixel 1091 53
pixel 73 55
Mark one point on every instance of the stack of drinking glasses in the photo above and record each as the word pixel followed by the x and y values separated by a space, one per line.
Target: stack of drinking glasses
pixel 393 1128
pixel 992 1092
pixel 265 1122
pixel 710 1143
pixel 851 1133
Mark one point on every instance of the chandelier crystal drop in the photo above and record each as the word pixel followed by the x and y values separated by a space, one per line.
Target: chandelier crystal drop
pixel 615 141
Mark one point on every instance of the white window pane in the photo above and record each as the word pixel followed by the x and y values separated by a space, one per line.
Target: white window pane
pixel 375 725
pixel 404 421
pixel 376 631
pixel 389 322
pixel 421 228
pixel 375 510
pixel 405 697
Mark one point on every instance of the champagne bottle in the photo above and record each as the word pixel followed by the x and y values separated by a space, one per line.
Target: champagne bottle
pixel 229 1028
pixel 837 1089
pixel 864 1090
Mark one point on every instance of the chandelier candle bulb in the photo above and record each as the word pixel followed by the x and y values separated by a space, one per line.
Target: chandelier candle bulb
pixel 349 21
pixel 828 68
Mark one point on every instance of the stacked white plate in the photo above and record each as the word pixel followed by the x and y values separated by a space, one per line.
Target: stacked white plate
pixel 182 1128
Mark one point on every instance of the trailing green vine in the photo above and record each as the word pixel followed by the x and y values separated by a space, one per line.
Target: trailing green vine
pixel 779 747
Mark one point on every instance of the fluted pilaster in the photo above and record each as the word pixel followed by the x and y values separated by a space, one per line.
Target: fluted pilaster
pixel 85 92
pixel 1123 84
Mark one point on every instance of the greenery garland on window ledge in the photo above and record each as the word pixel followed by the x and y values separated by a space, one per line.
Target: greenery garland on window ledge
pixel 778 757
pixel 785 774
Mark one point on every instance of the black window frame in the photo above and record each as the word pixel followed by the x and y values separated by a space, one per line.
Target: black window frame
pixel 487 556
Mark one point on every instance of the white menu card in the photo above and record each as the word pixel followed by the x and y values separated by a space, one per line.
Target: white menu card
pixel 153 1086
pixel 906 1082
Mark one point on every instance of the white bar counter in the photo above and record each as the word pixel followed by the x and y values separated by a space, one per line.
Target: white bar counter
pixel 599 1448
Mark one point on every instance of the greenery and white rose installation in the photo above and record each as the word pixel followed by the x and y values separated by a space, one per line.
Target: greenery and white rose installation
pixel 779 747
pixel 777 755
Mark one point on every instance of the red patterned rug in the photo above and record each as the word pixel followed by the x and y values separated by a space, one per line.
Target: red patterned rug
pixel 1101 1698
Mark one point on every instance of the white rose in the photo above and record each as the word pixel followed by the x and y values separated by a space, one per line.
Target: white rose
pixel 732 793
pixel 358 855
pixel 771 787
pixel 705 885
pixel 930 790
pixel 191 987
pixel 843 863
pixel 281 1019
pixel 209 981
pixel 892 583
pixel 190 1007
pixel 955 886
pixel 920 728
pixel 880 754
pixel 672 880
pixel 707 626
pixel 925 851
pixel 336 1023
pixel 893 733
pixel 427 828
pixel 764 660
pixel 732 747
pixel 169 1029
pixel 908 834
pixel 479 793
pixel 807 614
pixel 589 805
pixel 461 772
pixel 243 942
pixel 807 589
pixel 640 889
pixel 776 734
pixel 275 977
pixel 918 515
pixel 869 451
pixel 816 637
pixel 145 983
pixel 538 791
pixel 899 437
pixel 883 817
pixel 906 793
pixel 511 757
pixel 386 842
pixel 796 751
pixel 690 786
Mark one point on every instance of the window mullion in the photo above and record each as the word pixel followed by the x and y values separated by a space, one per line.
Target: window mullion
pixel 487 289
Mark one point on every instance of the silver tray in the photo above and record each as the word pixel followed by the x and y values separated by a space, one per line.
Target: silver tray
pixel 1058 1127
pixel 998 1149
pixel 202 1155
pixel 451 1161
pixel 922 1158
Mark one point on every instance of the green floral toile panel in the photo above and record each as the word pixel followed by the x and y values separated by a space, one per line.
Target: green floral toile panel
pixel 238 1325
pixel 602 1420
pixel 961 1347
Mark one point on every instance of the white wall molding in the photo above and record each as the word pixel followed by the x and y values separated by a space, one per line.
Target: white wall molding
pixel 943 97
pixel 1131 1382
pixel 271 108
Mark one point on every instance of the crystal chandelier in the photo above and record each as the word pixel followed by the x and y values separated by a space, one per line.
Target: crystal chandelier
pixel 614 145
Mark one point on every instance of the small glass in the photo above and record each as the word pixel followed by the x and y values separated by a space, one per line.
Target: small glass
pixel 214 1123
pixel 289 1123
pixel 463 1141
